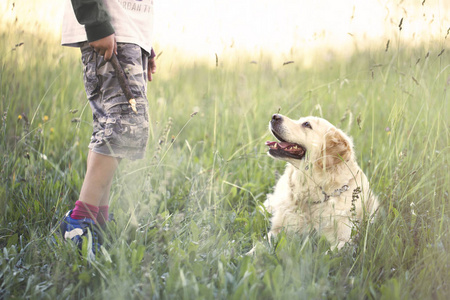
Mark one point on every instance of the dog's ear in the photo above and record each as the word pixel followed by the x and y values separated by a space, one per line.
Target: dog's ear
pixel 337 148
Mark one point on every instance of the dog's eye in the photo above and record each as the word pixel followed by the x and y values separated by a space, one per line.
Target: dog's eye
pixel 307 125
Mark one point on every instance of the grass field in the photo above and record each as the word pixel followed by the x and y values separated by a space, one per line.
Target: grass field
pixel 187 214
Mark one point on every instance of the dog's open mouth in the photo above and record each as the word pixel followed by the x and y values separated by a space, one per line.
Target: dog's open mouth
pixel 285 149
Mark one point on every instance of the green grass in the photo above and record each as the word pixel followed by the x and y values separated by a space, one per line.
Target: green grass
pixel 187 213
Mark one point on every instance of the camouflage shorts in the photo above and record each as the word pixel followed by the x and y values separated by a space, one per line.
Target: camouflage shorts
pixel 118 131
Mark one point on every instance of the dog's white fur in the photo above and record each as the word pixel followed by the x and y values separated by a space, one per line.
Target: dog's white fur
pixel 319 191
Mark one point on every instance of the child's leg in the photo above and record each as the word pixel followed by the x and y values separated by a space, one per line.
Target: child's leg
pixel 98 179
pixel 103 208
pixel 94 199
pixel 105 199
pixel 96 187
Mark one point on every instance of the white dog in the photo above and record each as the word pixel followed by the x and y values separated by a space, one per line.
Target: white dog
pixel 322 187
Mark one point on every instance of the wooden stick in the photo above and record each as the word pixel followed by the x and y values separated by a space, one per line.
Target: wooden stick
pixel 123 82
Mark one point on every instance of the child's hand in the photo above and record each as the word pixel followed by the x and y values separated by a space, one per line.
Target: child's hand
pixel 105 46
pixel 151 68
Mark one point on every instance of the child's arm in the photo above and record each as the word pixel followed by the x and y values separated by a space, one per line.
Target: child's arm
pixel 96 20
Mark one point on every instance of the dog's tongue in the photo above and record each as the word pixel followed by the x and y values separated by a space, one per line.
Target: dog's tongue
pixel 282 145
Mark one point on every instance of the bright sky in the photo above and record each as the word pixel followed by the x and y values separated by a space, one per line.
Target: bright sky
pixel 205 27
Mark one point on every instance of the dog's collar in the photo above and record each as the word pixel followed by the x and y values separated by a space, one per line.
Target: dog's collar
pixel 337 192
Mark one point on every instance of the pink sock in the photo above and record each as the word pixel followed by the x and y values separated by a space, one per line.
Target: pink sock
pixel 83 210
pixel 102 216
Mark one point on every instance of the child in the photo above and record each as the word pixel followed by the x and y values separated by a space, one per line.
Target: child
pixel 100 29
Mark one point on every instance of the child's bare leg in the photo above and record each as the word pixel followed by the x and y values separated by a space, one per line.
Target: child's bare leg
pixel 105 198
pixel 98 179
pixel 95 188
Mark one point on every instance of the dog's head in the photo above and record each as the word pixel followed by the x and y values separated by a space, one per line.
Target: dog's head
pixel 311 137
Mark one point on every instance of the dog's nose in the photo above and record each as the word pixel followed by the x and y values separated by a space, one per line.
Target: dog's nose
pixel 276 118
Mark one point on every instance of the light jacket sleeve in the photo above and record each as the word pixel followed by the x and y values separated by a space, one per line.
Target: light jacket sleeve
pixel 95 18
